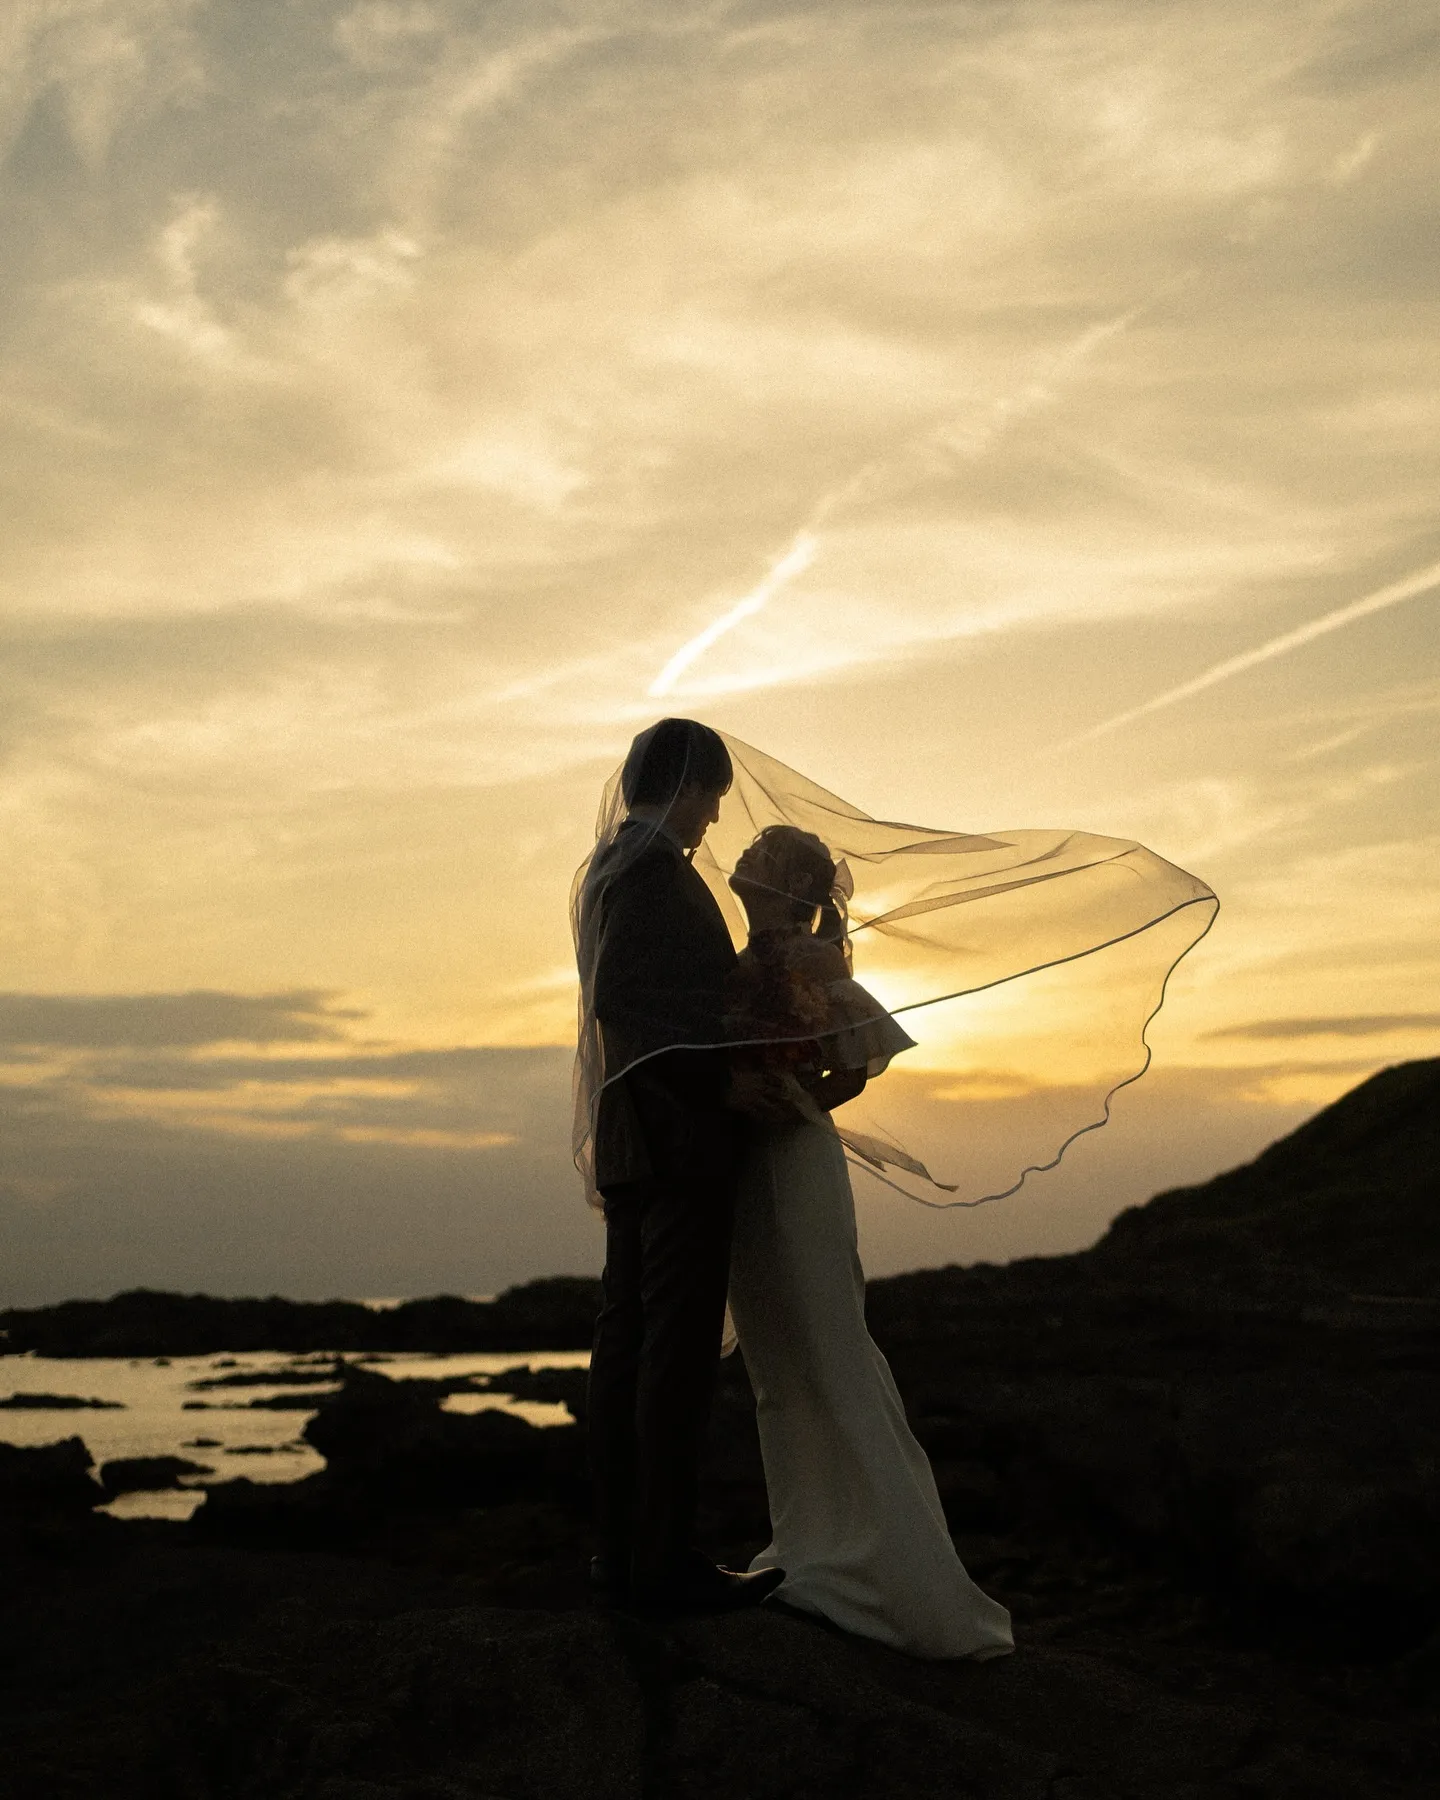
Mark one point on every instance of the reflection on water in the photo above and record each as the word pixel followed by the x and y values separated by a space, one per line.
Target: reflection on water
pixel 238 1414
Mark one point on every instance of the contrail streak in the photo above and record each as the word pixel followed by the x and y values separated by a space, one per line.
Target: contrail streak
pixel 1407 589
pixel 794 562
pixel 913 460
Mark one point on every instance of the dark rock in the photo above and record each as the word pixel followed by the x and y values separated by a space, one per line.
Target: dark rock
pixel 147 1474
pixel 314 1513
pixel 288 1402
pixel 58 1403
pixel 388 1447
pixel 1309 1487
pixel 473 1701
pixel 308 1375
pixel 47 1480
pixel 160 1665
pixel 1205 1381
pixel 306 1402
pixel 391 1439
pixel 565 1387
pixel 1346 1204
pixel 469 1703
pixel 143 1322
pixel 773 1705
pixel 557 1313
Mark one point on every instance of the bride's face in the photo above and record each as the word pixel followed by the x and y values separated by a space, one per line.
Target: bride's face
pixel 757 884
pixel 752 871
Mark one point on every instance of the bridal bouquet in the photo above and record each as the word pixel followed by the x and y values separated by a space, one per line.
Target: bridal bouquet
pixel 781 1004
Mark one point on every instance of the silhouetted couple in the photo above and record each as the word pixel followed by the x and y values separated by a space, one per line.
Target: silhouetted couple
pixel 706 1076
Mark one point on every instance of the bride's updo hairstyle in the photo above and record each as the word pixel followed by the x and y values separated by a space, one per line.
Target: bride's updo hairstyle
pixel 801 867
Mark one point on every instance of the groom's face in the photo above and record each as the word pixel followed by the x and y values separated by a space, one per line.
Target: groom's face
pixel 693 811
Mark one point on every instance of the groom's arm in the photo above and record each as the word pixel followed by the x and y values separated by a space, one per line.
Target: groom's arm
pixel 647 993
pixel 639 982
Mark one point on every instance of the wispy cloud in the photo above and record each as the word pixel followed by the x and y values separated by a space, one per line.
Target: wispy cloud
pixel 95 1021
pixel 781 573
pixel 1346 1026
pixel 888 478
pixel 1423 583
pixel 171 1061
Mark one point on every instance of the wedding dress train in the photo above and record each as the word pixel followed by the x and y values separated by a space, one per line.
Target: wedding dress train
pixel 856 1519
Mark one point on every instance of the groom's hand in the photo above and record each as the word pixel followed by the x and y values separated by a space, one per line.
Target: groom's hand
pixel 760 1095
pixel 835 1087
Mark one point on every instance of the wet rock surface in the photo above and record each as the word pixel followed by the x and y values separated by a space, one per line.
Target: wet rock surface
pixel 1202 1477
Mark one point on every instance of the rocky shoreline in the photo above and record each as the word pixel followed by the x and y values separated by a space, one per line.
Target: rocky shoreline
pixel 1199 1463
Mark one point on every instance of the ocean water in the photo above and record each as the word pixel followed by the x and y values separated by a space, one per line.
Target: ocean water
pixel 195 1407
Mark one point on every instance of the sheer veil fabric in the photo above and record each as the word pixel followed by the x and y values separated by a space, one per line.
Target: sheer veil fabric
pixel 1039 953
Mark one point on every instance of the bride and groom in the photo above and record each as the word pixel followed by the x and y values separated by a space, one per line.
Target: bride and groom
pixel 710 1078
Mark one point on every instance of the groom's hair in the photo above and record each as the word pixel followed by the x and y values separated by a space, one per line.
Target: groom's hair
pixel 673 754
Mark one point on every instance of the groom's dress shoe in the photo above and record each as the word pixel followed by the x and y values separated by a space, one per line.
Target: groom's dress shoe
pixel 701 1587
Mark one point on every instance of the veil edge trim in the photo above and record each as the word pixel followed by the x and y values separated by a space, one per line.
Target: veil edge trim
pixel 1083 1130
pixel 1209 898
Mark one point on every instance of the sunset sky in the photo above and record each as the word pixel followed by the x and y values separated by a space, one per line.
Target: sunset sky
pixel 1006 414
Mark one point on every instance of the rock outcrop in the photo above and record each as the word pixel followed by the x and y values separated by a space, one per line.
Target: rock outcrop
pixel 46 1481
pixel 1346 1206
pixel 557 1313
pixel 306 1677
pixel 1241 1374
pixel 147 1474
pixel 24 1401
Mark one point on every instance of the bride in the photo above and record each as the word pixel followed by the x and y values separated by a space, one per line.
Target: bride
pixel 856 1519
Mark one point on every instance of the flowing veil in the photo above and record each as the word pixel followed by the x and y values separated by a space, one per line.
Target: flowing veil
pixel 1027 964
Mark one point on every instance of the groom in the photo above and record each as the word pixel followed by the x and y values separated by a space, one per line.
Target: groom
pixel 666 1164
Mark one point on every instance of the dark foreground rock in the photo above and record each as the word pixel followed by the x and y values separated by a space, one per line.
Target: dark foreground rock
pixel 1297 1491
pixel 1221 1377
pixel 1199 1464
pixel 461 1664
pixel 46 1481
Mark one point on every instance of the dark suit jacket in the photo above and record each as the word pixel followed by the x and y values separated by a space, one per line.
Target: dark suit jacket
pixel 663 960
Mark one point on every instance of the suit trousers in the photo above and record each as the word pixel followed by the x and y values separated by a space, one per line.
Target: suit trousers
pixel 655 1359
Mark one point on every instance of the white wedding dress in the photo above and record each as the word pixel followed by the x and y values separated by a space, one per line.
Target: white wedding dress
pixel 856 1520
